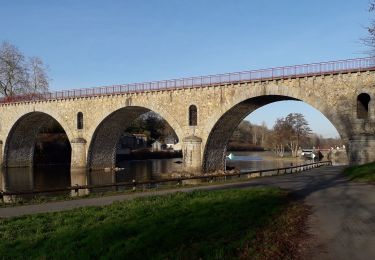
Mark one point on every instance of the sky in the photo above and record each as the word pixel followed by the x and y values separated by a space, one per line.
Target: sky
pixel 90 43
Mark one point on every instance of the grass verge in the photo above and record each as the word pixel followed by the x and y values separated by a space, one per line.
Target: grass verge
pixel 365 172
pixel 257 223
pixel 41 198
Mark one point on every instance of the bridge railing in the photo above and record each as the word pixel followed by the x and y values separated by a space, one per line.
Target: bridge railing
pixel 134 184
pixel 323 68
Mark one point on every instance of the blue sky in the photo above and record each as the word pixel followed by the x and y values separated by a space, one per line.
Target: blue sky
pixel 90 43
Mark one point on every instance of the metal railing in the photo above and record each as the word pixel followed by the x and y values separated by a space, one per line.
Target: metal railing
pixel 134 184
pixel 323 68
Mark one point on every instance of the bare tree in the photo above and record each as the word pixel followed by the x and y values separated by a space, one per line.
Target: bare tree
pixel 299 130
pixel 38 78
pixel 18 76
pixel 263 132
pixel 370 39
pixel 289 131
pixel 255 131
pixel 280 134
pixel 13 73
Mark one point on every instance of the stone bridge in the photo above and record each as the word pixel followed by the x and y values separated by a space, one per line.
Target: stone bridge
pixel 203 111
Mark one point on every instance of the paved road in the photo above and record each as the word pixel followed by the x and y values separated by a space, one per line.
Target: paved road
pixel 342 223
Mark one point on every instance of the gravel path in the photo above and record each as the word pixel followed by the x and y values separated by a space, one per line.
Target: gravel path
pixel 342 222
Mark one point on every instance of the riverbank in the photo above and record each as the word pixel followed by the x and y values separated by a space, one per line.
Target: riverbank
pixel 256 223
pixel 244 147
pixel 146 154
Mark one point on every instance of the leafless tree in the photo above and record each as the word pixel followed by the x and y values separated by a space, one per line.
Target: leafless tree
pixel 255 130
pixel 18 76
pixel 37 78
pixel 299 130
pixel 263 132
pixel 370 39
pixel 289 131
pixel 13 73
pixel 280 134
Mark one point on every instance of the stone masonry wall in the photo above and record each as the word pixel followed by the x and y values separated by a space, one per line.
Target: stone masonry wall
pixel 220 109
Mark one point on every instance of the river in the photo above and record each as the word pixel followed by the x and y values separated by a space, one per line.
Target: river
pixel 50 177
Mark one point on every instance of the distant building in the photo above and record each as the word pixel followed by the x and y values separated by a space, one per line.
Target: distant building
pixel 169 142
pixel 156 146
pixel 141 138
pixel 129 142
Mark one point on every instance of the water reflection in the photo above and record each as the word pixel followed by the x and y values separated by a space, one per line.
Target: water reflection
pixel 250 161
pixel 37 179
pixel 55 177
pixel 52 177
pixel 16 179
pixel 78 177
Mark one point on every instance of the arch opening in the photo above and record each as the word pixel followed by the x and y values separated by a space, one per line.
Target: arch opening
pixel 223 131
pixel 129 133
pixel 37 139
pixel 363 101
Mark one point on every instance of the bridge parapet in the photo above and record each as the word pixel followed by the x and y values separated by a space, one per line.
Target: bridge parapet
pixel 287 72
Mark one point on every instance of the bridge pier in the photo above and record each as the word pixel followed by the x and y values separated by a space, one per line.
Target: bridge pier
pixel 192 156
pixel 78 153
pixel 362 149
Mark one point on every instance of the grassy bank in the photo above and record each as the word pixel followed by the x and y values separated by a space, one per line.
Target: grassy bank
pixel 364 172
pixel 258 223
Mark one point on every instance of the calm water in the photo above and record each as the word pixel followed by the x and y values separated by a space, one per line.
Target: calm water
pixel 248 161
pixel 41 178
pixel 50 177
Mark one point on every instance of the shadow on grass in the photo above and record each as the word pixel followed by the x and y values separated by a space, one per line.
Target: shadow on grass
pixel 364 172
pixel 215 224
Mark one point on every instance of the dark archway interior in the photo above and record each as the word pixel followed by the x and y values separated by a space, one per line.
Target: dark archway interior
pixel 102 151
pixel 363 101
pixel 37 139
pixel 52 145
pixel 104 144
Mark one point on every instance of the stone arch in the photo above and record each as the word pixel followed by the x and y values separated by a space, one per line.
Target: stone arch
pixel 222 128
pixel 363 101
pixel 22 137
pixel 102 149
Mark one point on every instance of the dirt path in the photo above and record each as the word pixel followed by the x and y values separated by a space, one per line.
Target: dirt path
pixel 342 222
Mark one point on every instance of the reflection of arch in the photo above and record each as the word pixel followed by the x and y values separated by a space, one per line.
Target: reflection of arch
pixel 363 101
pixel 21 140
pixel 223 127
pixel 79 120
pixel 102 150
pixel 193 115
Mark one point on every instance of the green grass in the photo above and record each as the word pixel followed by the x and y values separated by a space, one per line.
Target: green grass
pixel 39 199
pixel 208 225
pixel 364 172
